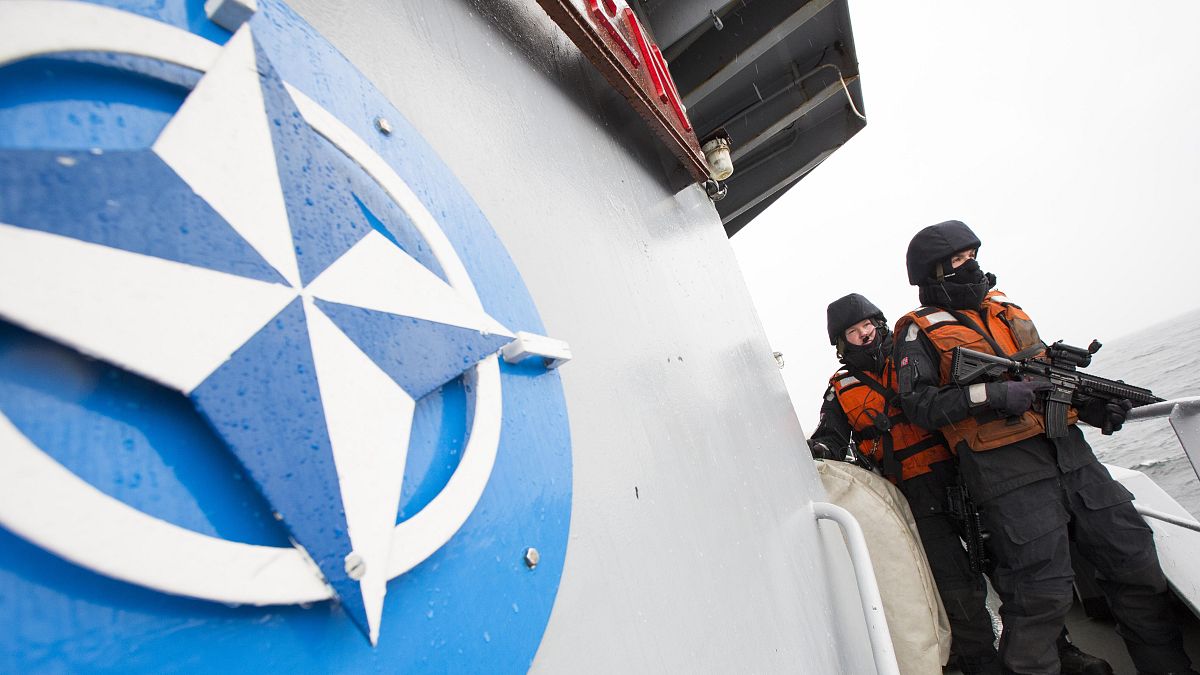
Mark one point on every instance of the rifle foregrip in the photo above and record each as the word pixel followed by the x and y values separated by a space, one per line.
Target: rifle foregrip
pixel 1114 390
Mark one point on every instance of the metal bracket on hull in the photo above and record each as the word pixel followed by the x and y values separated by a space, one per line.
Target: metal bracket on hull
pixel 554 353
pixel 1184 415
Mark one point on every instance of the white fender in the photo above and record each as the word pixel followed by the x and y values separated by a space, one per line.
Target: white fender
pixel 919 626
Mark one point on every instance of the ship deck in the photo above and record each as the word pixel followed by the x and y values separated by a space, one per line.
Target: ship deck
pixel 1098 636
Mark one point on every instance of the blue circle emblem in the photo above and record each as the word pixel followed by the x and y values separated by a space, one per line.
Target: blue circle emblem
pixel 258 403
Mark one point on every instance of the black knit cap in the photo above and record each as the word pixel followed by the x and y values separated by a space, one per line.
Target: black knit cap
pixel 935 244
pixel 847 311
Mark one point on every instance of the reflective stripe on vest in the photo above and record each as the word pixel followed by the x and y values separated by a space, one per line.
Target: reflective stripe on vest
pixel 912 447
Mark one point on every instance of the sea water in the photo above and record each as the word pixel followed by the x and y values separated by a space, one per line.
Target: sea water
pixel 1164 358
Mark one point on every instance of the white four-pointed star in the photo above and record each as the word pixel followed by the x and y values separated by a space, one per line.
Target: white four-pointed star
pixel 177 323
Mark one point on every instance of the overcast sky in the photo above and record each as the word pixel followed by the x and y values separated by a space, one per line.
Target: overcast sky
pixel 1065 133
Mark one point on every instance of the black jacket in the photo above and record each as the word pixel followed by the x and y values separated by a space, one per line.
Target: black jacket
pixel 834 428
pixel 932 404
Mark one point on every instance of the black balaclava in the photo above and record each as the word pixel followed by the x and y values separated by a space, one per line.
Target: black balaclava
pixel 963 287
pixel 928 262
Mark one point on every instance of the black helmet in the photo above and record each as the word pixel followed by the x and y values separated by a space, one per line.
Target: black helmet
pixel 935 244
pixel 847 311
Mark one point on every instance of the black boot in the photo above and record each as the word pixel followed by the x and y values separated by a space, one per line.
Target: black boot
pixel 1078 662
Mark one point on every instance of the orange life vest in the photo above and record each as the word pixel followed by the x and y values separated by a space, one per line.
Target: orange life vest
pixel 912 447
pixel 1012 331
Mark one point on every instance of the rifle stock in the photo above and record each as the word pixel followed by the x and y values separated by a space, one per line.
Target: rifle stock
pixel 968 366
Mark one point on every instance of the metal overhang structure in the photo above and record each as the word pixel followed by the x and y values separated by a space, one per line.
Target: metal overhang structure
pixel 779 77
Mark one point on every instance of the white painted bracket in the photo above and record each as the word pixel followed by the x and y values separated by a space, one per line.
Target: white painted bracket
pixel 230 14
pixel 554 352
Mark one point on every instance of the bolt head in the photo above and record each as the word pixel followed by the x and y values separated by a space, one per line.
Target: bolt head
pixel 384 126
pixel 356 567
pixel 532 557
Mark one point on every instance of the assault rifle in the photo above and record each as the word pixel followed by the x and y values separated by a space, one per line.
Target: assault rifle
pixel 962 508
pixel 1058 367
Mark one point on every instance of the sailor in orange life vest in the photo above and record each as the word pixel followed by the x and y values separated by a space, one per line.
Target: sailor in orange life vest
pixel 1034 493
pixel 855 428
pixel 861 409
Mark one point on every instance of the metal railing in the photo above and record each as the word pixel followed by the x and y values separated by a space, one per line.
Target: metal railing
pixel 1148 512
pixel 1184 416
pixel 868 587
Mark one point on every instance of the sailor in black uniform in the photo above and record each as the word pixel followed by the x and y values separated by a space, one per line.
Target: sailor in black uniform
pixel 1035 494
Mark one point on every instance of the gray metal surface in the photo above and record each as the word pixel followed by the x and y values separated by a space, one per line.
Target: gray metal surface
pixel 751 52
pixel 780 78
pixel 677 23
pixel 693 547
pixel 1185 420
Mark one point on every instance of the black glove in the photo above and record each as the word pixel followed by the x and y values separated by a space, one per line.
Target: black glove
pixel 821 451
pixel 1108 416
pixel 1014 398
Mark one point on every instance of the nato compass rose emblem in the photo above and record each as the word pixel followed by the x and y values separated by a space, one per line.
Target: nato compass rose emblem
pixel 269 249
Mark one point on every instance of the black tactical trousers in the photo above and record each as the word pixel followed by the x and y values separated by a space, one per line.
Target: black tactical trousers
pixel 1030 527
pixel 963 592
